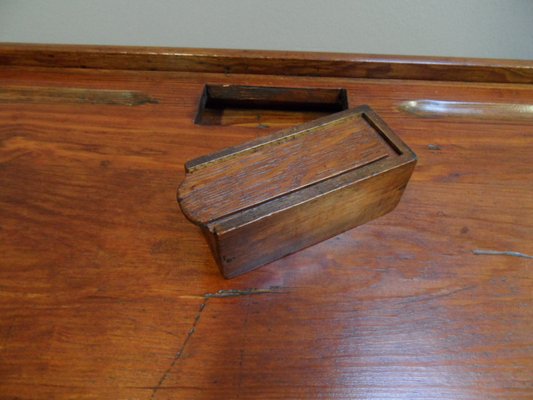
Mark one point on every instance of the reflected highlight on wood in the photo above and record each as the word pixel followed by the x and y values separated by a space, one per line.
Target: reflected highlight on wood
pixel 465 109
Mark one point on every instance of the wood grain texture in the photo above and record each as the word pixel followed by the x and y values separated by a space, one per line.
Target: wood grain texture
pixel 108 292
pixel 271 197
pixel 51 95
pixel 267 62
pixel 277 98
pixel 265 107
pixel 260 118
pixel 350 201
pixel 297 158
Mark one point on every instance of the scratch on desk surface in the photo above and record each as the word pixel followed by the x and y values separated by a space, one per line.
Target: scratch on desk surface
pixel 206 297
pixel 225 293
pixel 178 355
pixel 437 295
pixel 479 252
pixel 242 292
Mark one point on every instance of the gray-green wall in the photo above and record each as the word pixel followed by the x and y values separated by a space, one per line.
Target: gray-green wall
pixel 470 28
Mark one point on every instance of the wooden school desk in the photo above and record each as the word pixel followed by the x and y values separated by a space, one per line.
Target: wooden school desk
pixel 108 292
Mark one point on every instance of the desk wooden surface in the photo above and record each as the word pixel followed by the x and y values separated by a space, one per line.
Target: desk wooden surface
pixel 108 292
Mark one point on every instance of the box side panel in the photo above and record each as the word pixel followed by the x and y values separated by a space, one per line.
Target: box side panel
pixel 267 239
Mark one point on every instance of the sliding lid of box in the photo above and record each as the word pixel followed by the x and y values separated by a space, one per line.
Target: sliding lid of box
pixel 256 172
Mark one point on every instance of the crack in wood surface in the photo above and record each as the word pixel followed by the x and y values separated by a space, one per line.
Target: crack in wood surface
pixel 243 341
pixel 438 295
pixel 241 292
pixel 178 355
pixel 480 252
pixel 223 293
pixel 228 293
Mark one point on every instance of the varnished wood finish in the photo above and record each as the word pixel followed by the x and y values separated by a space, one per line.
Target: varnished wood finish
pixel 262 118
pixel 267 198
pixel 51 95
pixel 108 292
pixel 264 106
pixel 258 171
pixel 281 63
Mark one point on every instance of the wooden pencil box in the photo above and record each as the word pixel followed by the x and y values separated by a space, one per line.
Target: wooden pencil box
pixel 270 197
